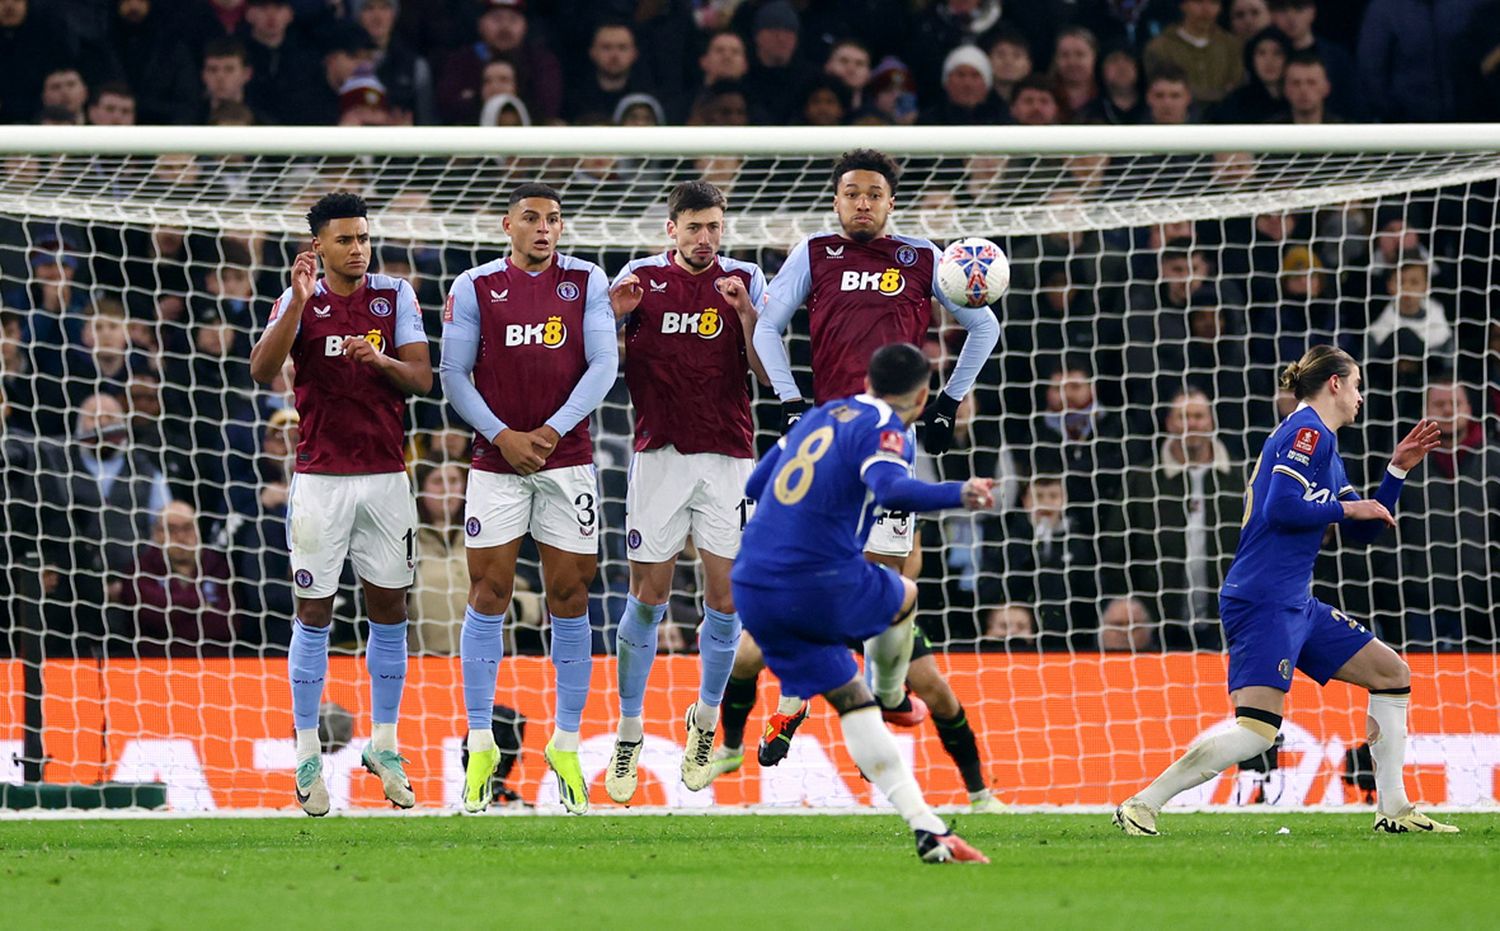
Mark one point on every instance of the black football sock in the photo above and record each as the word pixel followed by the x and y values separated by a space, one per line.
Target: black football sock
pixel 958 739
pixel 739 700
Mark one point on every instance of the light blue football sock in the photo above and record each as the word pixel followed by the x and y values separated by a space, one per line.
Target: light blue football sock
pixel 717 640
pixel 385 659
pixel 480 649
pixel 636 645
pixel 573 662
pixel 307 666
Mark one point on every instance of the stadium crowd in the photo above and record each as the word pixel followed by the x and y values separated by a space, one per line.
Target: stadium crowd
pixel 1135 372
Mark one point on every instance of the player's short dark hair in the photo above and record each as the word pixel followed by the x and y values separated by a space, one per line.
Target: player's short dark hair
pixel 336 206
pixel 533 189
pixel 898 369
pixel 867 160
pixel 694 195
pixel 1307 376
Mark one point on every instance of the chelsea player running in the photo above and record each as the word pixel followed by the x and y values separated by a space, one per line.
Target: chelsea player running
pixel 804 588
pixel 1272 622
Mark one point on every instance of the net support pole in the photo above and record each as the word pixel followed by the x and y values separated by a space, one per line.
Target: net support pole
pixel 29 648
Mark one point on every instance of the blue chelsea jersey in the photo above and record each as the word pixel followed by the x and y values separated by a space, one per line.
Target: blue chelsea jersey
pixel 1283 529
pixel 816 511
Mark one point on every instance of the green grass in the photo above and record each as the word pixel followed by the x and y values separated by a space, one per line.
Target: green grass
pixel 781 873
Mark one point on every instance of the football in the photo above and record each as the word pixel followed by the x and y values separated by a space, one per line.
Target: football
pixel 973 272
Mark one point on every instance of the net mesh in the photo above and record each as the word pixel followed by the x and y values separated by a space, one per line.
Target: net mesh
pixel 1154 299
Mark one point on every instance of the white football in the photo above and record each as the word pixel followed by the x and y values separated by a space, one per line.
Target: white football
pixel 973 272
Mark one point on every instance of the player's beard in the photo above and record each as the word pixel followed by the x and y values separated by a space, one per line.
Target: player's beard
pixel 862 235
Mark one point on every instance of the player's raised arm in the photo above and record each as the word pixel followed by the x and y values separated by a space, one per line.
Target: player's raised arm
pixel 1410 452
pixel 410 369
pixel 787 292
pixel 602 351
pixel 275 343
pixel 746 302
pixel 460 347
pixel 983 335
pixel 625 293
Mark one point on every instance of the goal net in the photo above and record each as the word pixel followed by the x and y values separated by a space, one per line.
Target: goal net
pixel 1161 278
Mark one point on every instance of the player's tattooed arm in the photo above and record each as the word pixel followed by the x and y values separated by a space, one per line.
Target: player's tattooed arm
pixel 275 344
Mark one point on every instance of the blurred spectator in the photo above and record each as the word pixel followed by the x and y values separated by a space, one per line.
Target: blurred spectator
pixel 504 110
pixel 176 598
pixel 1305 314
pixel 1075 438
pixel 892 93
pixel 1259 99
pixel 825 102
pixel 1156 329
pixel 1447 525
pixel 32 45
pixel 967 98
pixel 1125 626
pixel 724 104
pixel 1478 66
pixel 1177 531
pixel 1074 61
pixel 1009 627
pixel 945 25
pixel 1045 562
pixel 724 59
pixel 363 101
pixel 778 72
pixel 1306 88
pixel 614 74
pixel 166 441
pixel 849 62
pixel 226 73
pixel 406 75
pixel 284 66
pixel 63 89
pixel 104 362
pixel 148 53
pixel 1409 341
pixel 1122 97
pixel 18 377
pixel 1169 97
pixel 113 104
pixel 1295 18
pixel 1247 18
pixel 348 53
pixel 56 303
pixel 1208 56
pixel 1034 103
pixel 639 110
pixel 130 488
pixel 441 589
pixel 1010 59
pixel 1405 72
pixel 258 535
pixel 503 32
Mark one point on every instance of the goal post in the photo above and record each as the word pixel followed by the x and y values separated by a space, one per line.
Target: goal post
pixel 1161 275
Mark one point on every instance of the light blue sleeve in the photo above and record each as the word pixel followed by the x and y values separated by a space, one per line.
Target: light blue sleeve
pixel 601 349
pixel 409 328
pixel 984 334
pixel 460 347
pixel 787 292
pixel 279 308
pixel 757 288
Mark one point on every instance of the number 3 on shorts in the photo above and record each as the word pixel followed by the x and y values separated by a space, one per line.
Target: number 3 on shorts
pixel 584 504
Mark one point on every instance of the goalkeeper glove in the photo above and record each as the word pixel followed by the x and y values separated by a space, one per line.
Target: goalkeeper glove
pixel 938 419
pixel 791 412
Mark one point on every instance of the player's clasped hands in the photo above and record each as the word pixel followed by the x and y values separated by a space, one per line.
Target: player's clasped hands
pixel 1422 439
pixel 625 296
pixel 362 350
pixel 527 451
pixel 978 494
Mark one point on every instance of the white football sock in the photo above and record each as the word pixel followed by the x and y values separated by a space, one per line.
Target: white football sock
pixel 877 755
pixel 383 736
pixel 888 654
pixel 1386 729
pixel 788 704
pixel 630 730
pixel 480 741
pixel 1207 758
pixel 566 741
pixel 308 745
pixel 705 717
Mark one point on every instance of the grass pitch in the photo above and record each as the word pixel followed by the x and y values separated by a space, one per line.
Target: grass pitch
pixel 776 872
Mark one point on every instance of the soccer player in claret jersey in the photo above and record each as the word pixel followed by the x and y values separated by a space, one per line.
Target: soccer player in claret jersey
pixel 529 351
pixel 687 355
pixel 864 288
pixel 803 587
pixel 1272 622
pixel 359 349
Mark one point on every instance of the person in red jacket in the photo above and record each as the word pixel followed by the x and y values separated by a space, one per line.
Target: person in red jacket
pixel 178 592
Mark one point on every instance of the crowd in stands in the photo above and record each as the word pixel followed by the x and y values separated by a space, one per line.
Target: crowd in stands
pixel 729 62
pixel 1134 381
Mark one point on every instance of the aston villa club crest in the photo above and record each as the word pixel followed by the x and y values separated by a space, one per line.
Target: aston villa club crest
pixel 380 307
pixel 906 255
pixel 568 291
